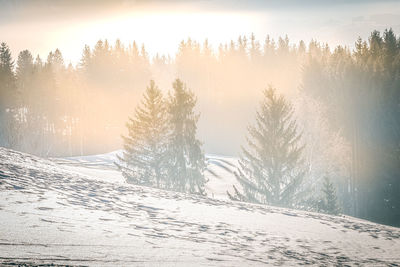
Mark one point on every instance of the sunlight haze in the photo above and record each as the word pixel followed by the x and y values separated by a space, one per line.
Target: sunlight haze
pixel 161 25
pixel 199 133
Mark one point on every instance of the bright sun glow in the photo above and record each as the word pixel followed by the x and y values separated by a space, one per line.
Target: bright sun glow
pixel 162 32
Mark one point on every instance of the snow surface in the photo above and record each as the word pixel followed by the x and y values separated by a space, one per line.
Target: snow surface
pixel 73 214
pixel 219 173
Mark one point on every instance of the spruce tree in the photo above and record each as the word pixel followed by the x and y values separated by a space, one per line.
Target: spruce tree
pixel 7 78
pixel 85 62
pixel 24 75
pixel 328 203
pixel 186 161
pixel 144 147
pixel 7 98
pixel 271 168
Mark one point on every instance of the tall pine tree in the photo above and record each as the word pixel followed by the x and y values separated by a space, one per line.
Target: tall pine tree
pixel 144 147
pixel 186 161
pixel 271 168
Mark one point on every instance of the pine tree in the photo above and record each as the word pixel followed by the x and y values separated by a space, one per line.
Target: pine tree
pixel 7 98
pixel 7 78
pixel 328 203
pixel 186 161
pixel 24 75
pixel 271 168
pixel 84 63
pixel 144 147
pixel 24 80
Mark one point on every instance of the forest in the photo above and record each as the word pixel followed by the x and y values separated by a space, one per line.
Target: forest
pixel 342 106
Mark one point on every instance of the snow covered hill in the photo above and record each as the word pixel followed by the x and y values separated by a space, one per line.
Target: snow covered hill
pixel 64 214
pixel 219 172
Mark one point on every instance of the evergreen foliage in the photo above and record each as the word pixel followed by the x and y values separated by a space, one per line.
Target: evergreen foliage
pixel 361 96
pixel 271 168
pixel 161 148
pixel 185 159
pixel 145 146
pixel 8 97
pixel 328 203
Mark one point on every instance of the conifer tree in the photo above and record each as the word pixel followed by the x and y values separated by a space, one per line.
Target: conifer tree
pixel 7 97
pixel 328 203
pixel 271 168
pixel 7 78
pixel 186 161
pixel 85 61
pixel 24 73
pixel 144 147
pixel 24 80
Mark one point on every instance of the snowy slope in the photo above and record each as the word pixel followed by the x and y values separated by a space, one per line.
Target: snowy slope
pixel 219 172
pixel 50 214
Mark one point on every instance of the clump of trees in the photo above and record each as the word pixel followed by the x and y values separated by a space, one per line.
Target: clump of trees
pixel 50 108
pixel 360 93
pixel 161 149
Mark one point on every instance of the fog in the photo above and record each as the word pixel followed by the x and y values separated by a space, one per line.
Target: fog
pixel 73 74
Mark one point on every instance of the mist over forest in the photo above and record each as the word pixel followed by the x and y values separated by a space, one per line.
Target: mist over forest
pixel 345 101
pixel 164 135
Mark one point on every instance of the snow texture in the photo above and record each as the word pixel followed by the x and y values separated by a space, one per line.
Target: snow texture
pixel 72 214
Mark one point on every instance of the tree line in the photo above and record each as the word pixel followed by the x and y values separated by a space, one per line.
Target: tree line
pixel 55 107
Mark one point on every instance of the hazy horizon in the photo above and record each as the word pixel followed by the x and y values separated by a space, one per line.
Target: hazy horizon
pixel 43 26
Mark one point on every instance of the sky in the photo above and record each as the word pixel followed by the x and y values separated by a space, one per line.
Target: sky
pixel 44 25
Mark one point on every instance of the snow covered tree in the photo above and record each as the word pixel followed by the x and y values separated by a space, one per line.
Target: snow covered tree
pixel 186 161
pixel 144 147
pixel 271 168
pixel 328 203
